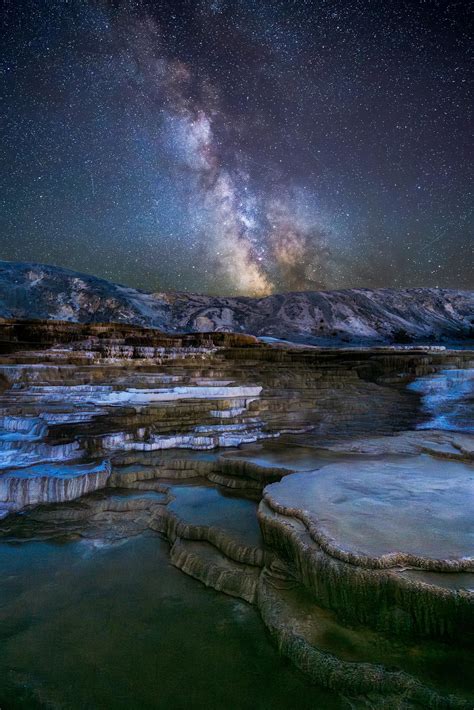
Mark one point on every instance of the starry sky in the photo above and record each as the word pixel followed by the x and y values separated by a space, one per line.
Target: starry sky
pixel 238 146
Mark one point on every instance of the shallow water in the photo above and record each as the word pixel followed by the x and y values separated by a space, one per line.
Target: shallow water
pixel 86 626
pixel 204 505
pixel 288 454
pixel 279 454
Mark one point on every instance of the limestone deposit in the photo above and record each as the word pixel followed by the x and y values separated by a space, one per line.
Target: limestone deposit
pixel 304 482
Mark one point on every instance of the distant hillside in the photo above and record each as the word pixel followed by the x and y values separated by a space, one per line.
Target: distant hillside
pixel 352 315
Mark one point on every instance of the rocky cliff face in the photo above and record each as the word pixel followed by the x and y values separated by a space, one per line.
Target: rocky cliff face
pixel 34 291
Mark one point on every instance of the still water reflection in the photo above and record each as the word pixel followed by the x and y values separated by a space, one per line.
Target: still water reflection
pixel 89 626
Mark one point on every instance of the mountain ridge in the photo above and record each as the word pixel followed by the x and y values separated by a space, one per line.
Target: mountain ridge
pixel 39 291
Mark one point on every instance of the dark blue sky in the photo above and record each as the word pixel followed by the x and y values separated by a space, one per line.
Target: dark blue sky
pixel 238 146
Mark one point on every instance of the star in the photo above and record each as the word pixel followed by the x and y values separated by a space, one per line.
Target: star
pixel 240 148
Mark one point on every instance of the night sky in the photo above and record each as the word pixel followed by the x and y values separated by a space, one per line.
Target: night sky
pixel 238 146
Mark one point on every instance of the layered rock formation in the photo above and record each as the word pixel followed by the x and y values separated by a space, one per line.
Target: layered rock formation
pixel 345 526
pixel 217 540
pixel 51 483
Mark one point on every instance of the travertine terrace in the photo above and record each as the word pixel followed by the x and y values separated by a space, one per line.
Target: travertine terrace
pixel 298 479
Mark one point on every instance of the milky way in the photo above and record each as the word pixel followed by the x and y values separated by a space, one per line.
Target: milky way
pixel 238 147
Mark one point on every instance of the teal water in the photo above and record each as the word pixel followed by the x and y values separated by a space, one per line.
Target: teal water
pixel 84 625
pixel 205 505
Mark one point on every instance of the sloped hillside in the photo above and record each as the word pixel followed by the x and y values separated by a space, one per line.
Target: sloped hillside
pixel 352 315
